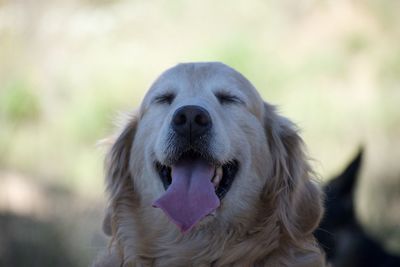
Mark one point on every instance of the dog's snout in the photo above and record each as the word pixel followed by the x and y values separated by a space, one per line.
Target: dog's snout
pixel 191 121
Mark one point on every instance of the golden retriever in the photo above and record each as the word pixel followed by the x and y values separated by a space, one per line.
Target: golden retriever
pixel 207 174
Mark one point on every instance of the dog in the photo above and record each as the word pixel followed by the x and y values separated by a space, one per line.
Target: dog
pixel 340 234
pixel 206 173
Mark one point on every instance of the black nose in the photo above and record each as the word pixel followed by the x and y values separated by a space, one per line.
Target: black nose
pixel 191 122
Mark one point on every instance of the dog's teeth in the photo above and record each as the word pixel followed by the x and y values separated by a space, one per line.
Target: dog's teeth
pixel 217 177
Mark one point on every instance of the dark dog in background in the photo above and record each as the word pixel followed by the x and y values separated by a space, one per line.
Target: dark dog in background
pixel 345 241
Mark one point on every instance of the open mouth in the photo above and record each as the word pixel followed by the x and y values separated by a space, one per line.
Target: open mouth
pixel 194 186
pixel 222 179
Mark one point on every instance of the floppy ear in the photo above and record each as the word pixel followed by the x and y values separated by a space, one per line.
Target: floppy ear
pixel 298 198
pixel 118 177
pixel 107 226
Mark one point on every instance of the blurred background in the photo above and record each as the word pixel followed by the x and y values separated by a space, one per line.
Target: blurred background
pixel 68 67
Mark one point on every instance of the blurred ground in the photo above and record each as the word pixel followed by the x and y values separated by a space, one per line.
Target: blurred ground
pixel 45 225
pixel 67 67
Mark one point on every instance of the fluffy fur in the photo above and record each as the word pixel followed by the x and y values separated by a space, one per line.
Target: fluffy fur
pixel 268 216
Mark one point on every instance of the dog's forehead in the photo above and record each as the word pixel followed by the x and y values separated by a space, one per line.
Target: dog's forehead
pixel 201 78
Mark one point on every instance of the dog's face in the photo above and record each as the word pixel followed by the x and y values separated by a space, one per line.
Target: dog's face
pixel 205 153
pixel 203 112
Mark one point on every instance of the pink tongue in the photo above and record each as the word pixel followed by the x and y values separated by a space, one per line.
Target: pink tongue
pixel 191 195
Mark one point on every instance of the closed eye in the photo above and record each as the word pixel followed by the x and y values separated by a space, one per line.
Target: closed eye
pixel 166 98
pixel 227 98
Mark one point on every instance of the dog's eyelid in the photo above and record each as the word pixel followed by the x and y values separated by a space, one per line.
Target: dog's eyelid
pixel 227 97
pixel 167 97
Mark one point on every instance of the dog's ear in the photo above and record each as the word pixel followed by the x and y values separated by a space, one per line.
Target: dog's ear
pixel 107 226
pixel 344 184
pixel 117 160
pixel 298 198
pixel 118 177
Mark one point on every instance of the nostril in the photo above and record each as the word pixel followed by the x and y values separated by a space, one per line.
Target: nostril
pixel 180 119
pixel 201 119
pixel 191 121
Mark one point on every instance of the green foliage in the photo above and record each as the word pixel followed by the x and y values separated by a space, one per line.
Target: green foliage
pixel 356 42
pixel 91 118
pixel 389 72
pixel 19 103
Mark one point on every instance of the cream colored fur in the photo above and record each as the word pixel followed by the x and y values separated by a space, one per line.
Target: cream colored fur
pixel 268 216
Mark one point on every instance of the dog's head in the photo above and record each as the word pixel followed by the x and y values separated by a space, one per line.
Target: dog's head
pixel 205 147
